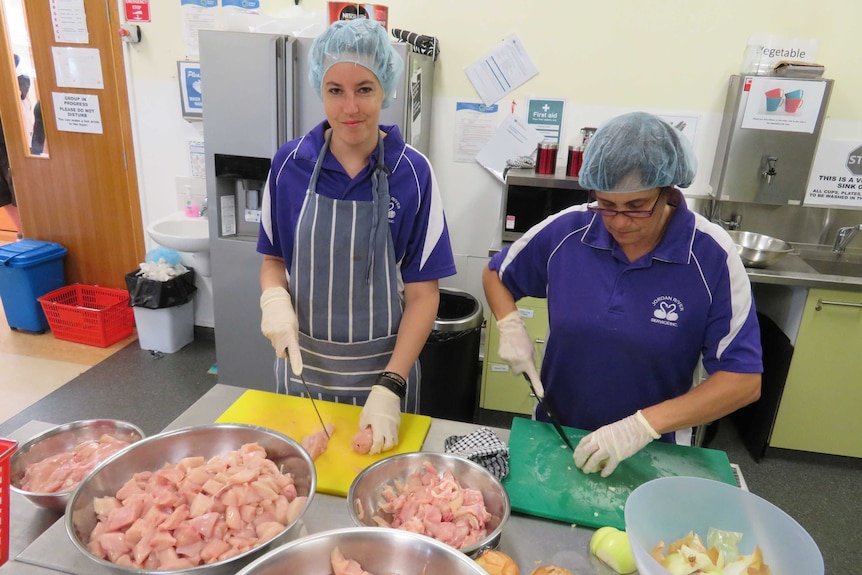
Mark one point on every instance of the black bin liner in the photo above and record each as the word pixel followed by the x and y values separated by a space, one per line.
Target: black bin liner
pixel 450 359
pixel 154 294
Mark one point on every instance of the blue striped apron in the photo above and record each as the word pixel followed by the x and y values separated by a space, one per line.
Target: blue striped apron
pixel 346 286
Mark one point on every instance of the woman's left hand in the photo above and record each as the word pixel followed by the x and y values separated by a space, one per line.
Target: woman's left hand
pixel 382 412
pixel 604 448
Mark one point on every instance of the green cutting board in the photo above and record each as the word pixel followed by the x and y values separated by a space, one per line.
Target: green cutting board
pixel 543 480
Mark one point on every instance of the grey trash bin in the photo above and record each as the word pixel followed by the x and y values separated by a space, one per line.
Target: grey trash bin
pixel 450 358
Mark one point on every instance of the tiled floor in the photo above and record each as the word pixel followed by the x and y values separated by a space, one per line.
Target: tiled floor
pixel 33 365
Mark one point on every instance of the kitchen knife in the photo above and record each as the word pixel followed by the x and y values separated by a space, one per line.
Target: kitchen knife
pixel 546 407
pixel 314 405
pixel 308 391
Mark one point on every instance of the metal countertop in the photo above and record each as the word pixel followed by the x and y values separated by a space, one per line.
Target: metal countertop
pixel 40 545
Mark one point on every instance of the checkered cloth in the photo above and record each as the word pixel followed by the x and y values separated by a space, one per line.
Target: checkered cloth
pixel 482 447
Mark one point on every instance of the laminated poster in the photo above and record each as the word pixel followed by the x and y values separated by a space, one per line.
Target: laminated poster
pixel 782 104
pixel 836 176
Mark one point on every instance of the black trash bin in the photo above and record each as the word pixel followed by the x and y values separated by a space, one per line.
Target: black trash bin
pixel 450 358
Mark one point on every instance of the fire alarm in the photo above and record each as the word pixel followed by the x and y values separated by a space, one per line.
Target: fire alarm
pixel 130 33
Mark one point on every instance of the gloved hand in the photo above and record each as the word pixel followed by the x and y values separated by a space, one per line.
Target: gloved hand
pixel 382 412
pixel 278 323
pixel 516 349
pixel 608 445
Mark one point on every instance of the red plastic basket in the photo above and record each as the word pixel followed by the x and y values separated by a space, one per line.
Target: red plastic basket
pixel 7 448
pixel 89 314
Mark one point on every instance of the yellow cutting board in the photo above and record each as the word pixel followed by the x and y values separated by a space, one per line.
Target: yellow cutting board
pixel 294 416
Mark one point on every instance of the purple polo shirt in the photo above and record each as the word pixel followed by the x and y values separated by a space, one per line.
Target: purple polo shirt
pixel 416 220
pixel 624 336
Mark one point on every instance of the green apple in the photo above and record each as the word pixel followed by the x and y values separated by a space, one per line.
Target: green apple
pixel 612 546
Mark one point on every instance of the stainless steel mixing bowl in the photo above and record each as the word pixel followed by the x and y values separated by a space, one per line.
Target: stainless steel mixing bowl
pixel 206 441
pixel 758 250
pixel 365 491
pixel 58 440
pixel 377 551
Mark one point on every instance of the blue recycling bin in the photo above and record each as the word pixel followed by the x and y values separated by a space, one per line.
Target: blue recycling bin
pixel 29 269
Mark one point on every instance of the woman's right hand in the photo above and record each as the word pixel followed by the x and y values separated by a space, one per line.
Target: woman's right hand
pixel 279 324
pixel 516 349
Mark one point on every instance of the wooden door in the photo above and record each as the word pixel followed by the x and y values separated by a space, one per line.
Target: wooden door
pixel 84 195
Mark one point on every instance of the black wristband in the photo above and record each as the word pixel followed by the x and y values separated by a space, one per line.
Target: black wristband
pixel 393 382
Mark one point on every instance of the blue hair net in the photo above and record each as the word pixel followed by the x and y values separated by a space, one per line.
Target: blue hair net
pixel 636 152
pixel 362 42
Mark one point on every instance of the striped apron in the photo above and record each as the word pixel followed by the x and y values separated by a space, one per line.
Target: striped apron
pixel 346 287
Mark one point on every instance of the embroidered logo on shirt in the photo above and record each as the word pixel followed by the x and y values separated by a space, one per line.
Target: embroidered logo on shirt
pixel 394 205
pixel 666 310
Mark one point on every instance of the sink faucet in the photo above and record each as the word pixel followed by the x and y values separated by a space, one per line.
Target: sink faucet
pixel 202 209
pixel 732 224
pixel 844 236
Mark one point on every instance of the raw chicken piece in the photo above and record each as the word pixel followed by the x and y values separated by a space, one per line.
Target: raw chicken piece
pixel 342 566
pixel 362 441
pixel 64 471
pixel 435 505
pixel 195 512
pixel 316 443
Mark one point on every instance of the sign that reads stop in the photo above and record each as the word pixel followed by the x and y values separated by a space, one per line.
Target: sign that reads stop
pixel 854 161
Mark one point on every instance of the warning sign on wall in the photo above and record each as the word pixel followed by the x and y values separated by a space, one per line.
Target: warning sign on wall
pixel 138 11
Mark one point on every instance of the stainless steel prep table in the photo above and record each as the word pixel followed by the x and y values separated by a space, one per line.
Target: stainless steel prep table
pixel 528 540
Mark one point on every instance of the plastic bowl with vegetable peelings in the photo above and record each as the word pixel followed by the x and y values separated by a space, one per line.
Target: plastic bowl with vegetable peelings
pixel 667 509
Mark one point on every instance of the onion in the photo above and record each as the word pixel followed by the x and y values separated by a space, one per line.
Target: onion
pixel 498 563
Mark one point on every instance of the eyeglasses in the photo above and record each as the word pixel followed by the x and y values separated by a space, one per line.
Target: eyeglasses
pixel 593 206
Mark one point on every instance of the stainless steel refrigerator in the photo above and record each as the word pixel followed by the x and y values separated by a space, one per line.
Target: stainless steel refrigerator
pixel 256 97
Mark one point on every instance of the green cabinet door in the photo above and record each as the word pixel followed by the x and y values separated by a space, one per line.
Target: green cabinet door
pixel 821 407
pixel 501 390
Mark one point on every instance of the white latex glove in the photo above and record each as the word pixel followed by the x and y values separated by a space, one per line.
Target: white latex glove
pixel 382 412
pixel 278 323
pixel 516 349
pixel 604 448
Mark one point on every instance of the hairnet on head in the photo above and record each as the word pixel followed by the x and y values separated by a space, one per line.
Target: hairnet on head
pixel 636 152
pixel 361 41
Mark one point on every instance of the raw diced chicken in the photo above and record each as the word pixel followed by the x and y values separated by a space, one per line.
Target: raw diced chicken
pixel 64 471
pixel 435 505
pixel 362 441
pixel 316 443
pixel 342 566
pixel 195 512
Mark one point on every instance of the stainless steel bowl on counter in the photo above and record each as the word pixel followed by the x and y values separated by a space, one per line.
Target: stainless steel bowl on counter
pixel 376 550
pixel 758 250
pixel 205 441
pixel 61 439
pixel 365 492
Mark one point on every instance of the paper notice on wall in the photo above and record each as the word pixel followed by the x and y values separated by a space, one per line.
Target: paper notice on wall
pixel 197 15
pixel 77 68
pixel 511 140
pixel 836 176
pixel 77 113
pixel 70 22
pixel 501 70
pixel 197 159
pixel 474 125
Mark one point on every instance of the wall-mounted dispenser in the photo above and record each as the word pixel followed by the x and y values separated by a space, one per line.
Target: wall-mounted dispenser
pixel 768 138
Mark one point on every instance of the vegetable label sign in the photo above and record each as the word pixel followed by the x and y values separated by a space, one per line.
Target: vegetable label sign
pixel 836 177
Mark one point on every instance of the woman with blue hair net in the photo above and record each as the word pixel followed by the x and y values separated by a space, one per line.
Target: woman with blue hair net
pixel 639 288
pixel 354 240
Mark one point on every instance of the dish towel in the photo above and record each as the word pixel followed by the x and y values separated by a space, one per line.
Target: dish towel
pixel 482 447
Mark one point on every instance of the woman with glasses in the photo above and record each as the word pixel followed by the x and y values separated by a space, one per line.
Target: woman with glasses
pixel 639 288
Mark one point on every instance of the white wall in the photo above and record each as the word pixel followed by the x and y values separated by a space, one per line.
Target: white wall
pixel 605 58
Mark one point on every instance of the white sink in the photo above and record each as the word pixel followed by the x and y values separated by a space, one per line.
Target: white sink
pixel 183 234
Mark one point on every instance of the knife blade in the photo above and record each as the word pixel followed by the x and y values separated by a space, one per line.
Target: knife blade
pixel 546 407
pixel 314 405
pixel 308 391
